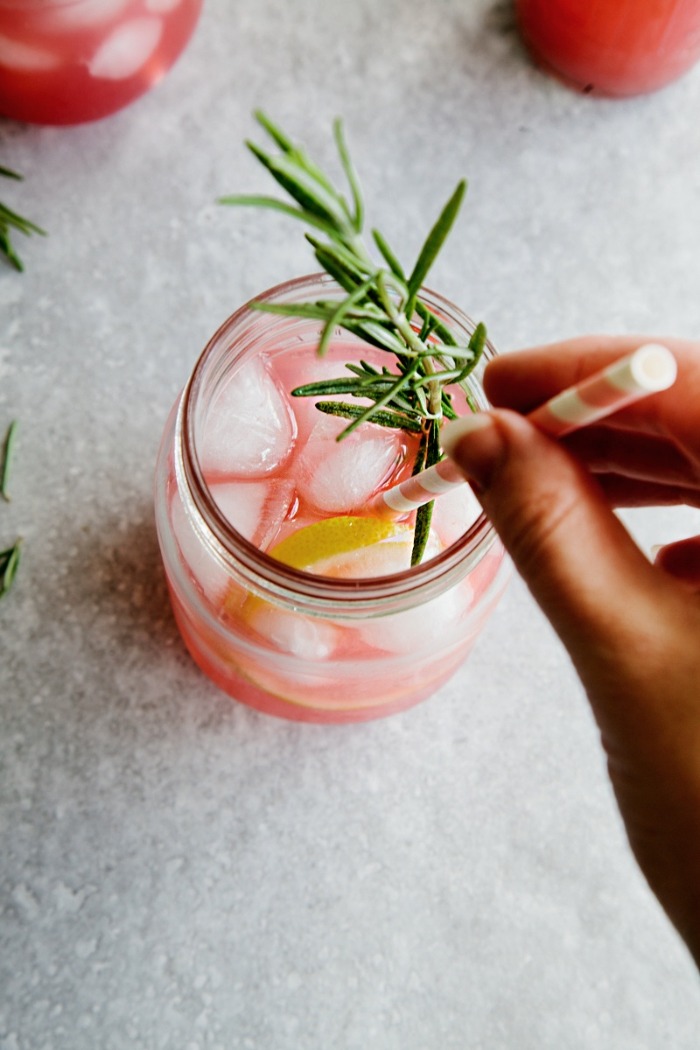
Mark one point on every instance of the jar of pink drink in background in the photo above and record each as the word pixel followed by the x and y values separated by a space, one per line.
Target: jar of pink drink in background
pixel 70 61
pixel 242 466
pixel 613 47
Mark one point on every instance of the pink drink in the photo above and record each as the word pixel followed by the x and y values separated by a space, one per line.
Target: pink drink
pixel 69 61
pixel 356 633
pixel 613 47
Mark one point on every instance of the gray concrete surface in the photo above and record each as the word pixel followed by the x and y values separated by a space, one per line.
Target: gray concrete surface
pixel 177 871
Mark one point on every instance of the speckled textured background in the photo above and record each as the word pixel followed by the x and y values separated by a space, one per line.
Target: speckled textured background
pixel 175 870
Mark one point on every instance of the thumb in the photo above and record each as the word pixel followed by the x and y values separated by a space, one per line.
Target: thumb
pixel 681 560
pixel 584 570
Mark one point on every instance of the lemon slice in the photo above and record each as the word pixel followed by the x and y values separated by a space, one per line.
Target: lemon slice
pixel 350 547
pixel 342 547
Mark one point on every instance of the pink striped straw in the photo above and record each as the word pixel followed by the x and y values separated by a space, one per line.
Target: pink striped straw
pixel 647 370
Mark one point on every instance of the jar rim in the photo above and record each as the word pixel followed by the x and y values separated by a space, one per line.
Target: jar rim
pixel 419 582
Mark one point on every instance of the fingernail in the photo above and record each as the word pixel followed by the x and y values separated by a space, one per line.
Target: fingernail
pixel 475 444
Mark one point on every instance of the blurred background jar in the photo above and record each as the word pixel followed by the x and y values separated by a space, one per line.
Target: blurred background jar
pixel 613 47
pixel 70 61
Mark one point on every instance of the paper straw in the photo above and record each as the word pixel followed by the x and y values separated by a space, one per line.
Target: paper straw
pixel 646 371
pixel 421 488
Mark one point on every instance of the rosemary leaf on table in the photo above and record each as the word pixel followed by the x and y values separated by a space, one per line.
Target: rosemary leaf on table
pixel 6 459
pixel 9 561
pixel 9 558
pixel 9 221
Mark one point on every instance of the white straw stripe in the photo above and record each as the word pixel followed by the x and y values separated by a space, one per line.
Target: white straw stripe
pixel 395 499
pixel 436 483
pixel 652 367
pixel 623 379
pixel 569 407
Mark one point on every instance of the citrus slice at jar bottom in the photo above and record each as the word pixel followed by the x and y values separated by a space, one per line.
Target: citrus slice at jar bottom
pixel 313 661
pixel 348 547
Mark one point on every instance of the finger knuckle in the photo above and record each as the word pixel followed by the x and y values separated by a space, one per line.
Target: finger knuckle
pixel 535 539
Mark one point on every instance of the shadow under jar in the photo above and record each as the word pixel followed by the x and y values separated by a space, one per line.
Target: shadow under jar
pixel 71 61
pixel 243 467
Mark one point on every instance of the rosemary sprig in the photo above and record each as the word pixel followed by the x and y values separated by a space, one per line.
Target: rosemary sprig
pixel 10 220
pixel 383 419
pixel 381 306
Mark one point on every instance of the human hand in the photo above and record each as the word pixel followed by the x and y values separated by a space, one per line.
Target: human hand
pixel 631 628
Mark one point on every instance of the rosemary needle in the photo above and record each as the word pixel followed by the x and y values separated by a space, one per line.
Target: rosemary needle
pixel 7 448
pixel 9 560
pixel 381 305
pixel 10 220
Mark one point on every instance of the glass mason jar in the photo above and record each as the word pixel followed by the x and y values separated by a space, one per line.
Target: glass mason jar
pixel 285 641
pixel 70 61
pixel 613 47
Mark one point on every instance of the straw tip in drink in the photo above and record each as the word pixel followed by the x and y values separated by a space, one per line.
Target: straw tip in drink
pixel 654 367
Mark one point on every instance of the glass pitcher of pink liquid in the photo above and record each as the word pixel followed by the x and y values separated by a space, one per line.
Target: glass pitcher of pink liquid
pixel 70 61
pixel 613 47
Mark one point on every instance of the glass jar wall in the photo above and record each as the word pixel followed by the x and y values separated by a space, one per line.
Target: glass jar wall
pixel 613 47
pixel 70 61
pixel 284 640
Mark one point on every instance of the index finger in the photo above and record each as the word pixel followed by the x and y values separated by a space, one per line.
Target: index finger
pixel 526 379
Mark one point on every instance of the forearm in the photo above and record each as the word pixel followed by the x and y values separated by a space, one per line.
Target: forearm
pixel 632 631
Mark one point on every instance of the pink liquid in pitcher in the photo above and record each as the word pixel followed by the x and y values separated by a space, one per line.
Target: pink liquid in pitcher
pixel 69 61
pixel 613 47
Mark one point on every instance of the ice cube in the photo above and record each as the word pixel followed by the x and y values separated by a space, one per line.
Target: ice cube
pixel 250 429
pixel 454 512
pixel 83 14
pixel 256 509
pixel 161 7
pixel 202 564
pixel 423 627
pixel 339 476
pixel 25 57
pixel 313 370
pixel 291 632
pixel 127 49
